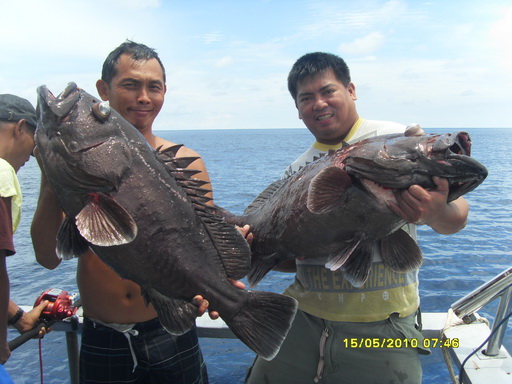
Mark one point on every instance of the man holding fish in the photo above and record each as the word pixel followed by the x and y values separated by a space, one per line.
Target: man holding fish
pixel 343 333
pixel 118 325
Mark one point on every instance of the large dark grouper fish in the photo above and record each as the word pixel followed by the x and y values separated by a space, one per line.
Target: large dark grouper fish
pixel 336 207
pixel 147 219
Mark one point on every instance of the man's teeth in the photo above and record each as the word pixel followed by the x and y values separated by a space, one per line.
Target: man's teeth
pixel 324 117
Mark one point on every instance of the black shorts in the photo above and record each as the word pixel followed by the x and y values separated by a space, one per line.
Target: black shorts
pixel 106 356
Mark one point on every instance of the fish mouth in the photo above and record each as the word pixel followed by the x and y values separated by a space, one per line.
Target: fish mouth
pixel 60 110
pixel 60 106
pixel 453 151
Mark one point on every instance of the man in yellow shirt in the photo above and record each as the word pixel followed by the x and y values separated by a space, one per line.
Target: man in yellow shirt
pixel 332 313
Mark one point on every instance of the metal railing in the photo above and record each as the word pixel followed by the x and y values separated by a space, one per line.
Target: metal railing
pixel 499 286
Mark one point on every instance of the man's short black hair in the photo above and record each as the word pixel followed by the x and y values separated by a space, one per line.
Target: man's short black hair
pixel 316 62
pixel 137 52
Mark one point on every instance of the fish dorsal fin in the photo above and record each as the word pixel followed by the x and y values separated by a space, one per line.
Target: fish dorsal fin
pixel 69 241
pixel 400 252
pixel 177 166
pixel 104 222
pixel 231 246
pixel 315 158
pixel 168 155
pixel 193 183
pixel 177 316
pixel 169 151
pixel 327 188
pixel 183 162
pixel 264 196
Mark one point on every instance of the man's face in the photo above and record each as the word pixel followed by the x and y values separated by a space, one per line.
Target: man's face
pixel 23 148
pixel 136 92
pixel 326 106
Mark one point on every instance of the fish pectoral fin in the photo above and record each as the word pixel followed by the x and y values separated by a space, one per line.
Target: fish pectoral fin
pixel 176 316
pixel 357 267
pixel 69 241
pixel 104 222
pixel 326 189
pixel 400 252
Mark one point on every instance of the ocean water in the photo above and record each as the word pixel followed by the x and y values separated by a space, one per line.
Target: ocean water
pixel 242 163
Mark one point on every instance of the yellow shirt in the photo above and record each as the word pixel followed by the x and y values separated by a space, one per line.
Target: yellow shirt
pixel 10 187
pixel 328 295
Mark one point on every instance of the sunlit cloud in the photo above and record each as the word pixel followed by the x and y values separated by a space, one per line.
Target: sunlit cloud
pixel 228 63
pixel 224 62
pixel 212 37
pixel 501 37
pixel 363 45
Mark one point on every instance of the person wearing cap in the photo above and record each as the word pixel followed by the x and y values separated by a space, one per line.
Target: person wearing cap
pixel 17 127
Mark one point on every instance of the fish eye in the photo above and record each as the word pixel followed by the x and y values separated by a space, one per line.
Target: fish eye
pixel 101 110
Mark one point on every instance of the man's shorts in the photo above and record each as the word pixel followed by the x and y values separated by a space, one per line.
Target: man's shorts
pixel 321 351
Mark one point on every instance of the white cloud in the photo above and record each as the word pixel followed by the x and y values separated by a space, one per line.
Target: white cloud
pixel 135 4
pixel 501 37
pixel 409 61
pixel 224 62
pixel 212 37
pixel 363 45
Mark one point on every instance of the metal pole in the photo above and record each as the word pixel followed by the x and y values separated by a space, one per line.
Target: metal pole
pixel 495 342
pixel 73 351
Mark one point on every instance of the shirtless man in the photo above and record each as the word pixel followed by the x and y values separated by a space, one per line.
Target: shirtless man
pixel 118 326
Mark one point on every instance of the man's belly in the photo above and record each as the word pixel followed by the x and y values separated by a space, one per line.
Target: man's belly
pixel 106 296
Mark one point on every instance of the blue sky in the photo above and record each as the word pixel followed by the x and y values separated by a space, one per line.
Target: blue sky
pixel 443 64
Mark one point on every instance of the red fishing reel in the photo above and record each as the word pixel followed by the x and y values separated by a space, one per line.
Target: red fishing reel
pixel 60 306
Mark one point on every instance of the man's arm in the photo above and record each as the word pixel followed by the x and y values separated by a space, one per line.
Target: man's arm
pixel 27 320
pixel 419 206
pixel 47 219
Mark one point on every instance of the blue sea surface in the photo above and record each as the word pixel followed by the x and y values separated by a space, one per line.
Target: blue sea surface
pixel 241 164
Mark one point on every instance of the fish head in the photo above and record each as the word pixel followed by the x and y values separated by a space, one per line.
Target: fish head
pixel 77 136
pixel 390 162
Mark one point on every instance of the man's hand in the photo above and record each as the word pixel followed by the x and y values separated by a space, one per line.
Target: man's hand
pixel 202 304
pixel 417 205
pixel 30 319
pixel 246 232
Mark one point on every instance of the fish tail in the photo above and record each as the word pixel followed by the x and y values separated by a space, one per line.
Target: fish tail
pixel 264 321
